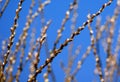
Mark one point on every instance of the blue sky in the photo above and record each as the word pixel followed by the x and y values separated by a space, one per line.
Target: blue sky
pixel 56 12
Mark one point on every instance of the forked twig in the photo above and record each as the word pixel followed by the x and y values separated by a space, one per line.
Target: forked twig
pixel 56 51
